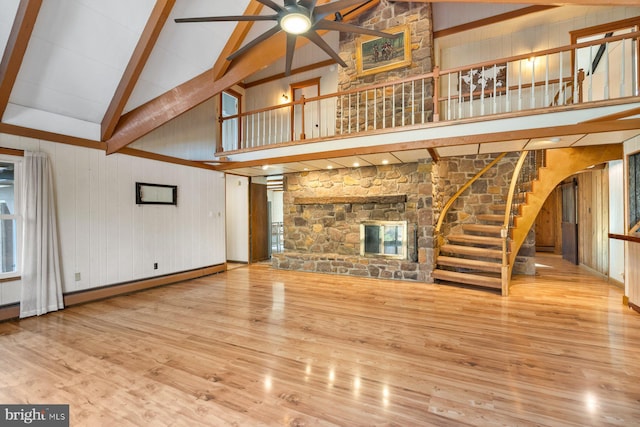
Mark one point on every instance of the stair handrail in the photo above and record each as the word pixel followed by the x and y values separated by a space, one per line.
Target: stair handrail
pixel 504 234
pixel 461 190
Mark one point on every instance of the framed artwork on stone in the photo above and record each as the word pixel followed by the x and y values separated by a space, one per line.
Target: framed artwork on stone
pixel 377 54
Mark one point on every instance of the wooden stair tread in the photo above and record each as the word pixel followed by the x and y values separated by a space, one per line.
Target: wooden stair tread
pixel 491 217
pixel 474 264
pixel 472 251
pixel 483 228
pixel 475 240
pixel 466 278
pixel 498 208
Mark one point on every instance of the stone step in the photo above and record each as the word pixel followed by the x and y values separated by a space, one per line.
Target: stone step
pixel 469 239
pixel 467 278
pixel 493 230
pixel 471 251
pixel 491 218
pixel 472 264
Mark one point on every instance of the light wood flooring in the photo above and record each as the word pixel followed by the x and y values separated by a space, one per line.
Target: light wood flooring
pixel 254 346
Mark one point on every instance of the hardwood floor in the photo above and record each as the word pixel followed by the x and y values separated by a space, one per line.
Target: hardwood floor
pixel 254 346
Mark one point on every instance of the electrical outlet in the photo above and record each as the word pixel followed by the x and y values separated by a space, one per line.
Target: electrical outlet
pixel 155 265
pixel 77 277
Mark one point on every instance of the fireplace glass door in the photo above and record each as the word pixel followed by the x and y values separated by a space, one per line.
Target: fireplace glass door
pixel 386 239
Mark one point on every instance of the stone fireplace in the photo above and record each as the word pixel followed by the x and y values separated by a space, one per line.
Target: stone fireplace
pixel 325 211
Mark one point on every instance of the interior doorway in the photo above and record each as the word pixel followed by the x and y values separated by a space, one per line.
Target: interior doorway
pixel 305 120
pixel 570 221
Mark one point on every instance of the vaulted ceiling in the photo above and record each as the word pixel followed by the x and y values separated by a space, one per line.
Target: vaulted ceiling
pixel 108 72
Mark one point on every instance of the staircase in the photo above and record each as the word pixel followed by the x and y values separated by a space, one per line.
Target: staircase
pixel 478 255
pixel 474 256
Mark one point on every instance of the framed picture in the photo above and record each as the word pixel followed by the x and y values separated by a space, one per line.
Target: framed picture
pixel 156 194
pixel 377 54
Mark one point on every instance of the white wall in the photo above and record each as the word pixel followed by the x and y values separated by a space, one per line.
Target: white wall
pixel 109 239
pixel 189 136
pixel 237 229
pixel 616 219
pixel 537 31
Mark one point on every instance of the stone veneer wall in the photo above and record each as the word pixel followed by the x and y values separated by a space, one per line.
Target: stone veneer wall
pixel 449 174
pixel 326 237
pixel 388 14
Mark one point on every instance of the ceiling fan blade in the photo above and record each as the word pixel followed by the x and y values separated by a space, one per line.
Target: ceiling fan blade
pixel 319 41
pixel 271 4
pixel 325 24
pixel 229 18
pixel 291 45
pixel 309 4
pixel 327 8
pixel 254 42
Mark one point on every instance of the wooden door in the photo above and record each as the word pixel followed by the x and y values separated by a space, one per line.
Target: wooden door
pixel 546 224
pixel 570 221
pixel 259 223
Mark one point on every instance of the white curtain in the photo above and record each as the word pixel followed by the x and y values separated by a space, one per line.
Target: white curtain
pixel 41 282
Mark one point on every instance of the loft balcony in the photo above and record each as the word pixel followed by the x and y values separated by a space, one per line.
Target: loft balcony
pixel 576 95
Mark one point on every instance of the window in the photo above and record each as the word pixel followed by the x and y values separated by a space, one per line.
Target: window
pixel 230 107
pixel 10 220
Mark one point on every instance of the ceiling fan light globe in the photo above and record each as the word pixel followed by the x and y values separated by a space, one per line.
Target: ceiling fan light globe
pixel 295 23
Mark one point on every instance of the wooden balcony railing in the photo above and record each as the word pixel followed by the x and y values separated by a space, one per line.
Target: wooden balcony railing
pixel 542 79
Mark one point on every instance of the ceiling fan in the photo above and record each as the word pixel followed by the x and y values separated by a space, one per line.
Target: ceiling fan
pixel 298 18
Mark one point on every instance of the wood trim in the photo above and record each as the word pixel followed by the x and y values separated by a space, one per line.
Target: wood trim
pixel 491 20
pixel 236 39
pixel 109 291
pixel 136 64
pixel 625 237
pixel 166 159
pixel 8 312
pixel 10 279
pixel 434 155
pixel 147 117
pixel 279 76
pixel 50 136
pixel 634 307
pixel 16 47
pixel 615 116
pixel 11 152
pixel 335 200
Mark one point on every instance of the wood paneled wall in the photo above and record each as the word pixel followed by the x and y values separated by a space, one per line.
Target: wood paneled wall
pixel 593 219
pixel 109 239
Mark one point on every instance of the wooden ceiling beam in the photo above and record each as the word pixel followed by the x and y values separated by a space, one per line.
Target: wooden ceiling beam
pixel 192 93
pixel 136 64
pixel 236 39
pixel 16 47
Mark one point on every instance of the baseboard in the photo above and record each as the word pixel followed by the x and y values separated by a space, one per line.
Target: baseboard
pixel 616 283
pixel 8 312
pixel 80 297
pixel 634 307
